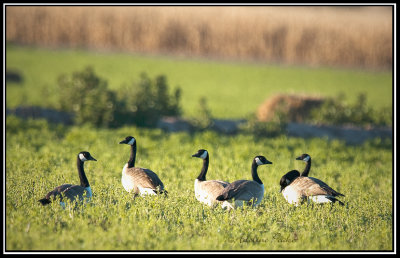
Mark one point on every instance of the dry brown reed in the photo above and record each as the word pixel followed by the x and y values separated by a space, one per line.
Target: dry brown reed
pixel 313 35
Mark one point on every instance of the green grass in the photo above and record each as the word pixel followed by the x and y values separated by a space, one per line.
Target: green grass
pixel 233 90
pixel 40 156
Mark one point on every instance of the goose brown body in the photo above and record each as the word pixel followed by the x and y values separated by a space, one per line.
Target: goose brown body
pixel 241 192
pixel 139 181
pixel 207 191
pixel 308 187
pixel 70 191
pixel 296 187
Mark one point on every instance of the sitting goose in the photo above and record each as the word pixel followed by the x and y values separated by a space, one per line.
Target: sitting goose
pixel 73 192
pixel 248 191
pixel 140 181
pixel 206 191
pixel 296 188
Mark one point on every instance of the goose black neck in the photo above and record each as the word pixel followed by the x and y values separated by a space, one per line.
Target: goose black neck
pixel 132 158
pixel 254 173
pixel 82 175
pixel 202 175
pixel 307 168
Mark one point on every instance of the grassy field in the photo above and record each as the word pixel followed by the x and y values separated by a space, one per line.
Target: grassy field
pixel 40 156
pixel 221 83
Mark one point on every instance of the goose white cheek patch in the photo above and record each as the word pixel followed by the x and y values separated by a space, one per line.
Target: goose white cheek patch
pixel 82 157
pixel 259 162
pixel 204 155
pixel 306 158
pixel 131 141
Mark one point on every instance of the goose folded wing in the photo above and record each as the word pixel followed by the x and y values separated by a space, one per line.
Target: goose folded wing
pixel 213 188
pixel 239 190
pixel 326 187
pixel 146 178
pixel 68 190
pixel 312 186
pixel 57 192
pixel 75 191
pixel 223 183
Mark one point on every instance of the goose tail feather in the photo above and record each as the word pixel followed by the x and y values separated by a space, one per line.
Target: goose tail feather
pixel 44 201
pixel 221 198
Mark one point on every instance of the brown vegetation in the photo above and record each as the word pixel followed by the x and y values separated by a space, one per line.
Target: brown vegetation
pixel 294 108
pixel 334 36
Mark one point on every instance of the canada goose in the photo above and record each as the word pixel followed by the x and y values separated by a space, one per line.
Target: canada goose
pixel 306 158
pixel 245 190
pixel 296 188
pixel 73 191
pixel 141 181
pixel 206 191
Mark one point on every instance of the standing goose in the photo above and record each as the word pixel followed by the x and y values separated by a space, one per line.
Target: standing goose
pixel 70 191
pixel 249 191
pixel 296 188
pixel 207 191
pixel 140 181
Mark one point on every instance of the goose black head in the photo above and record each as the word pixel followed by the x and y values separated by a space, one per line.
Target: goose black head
pixel 261 160
pixel 288 178
pixel 304 157
pixel 128 140
pixel 84 156
pixel 201 154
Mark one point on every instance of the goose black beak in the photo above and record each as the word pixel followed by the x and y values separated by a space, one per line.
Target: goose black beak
pixel 91 158
pixel 299 158
pixel 195 155
pixel 267 162
pixel 122 142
